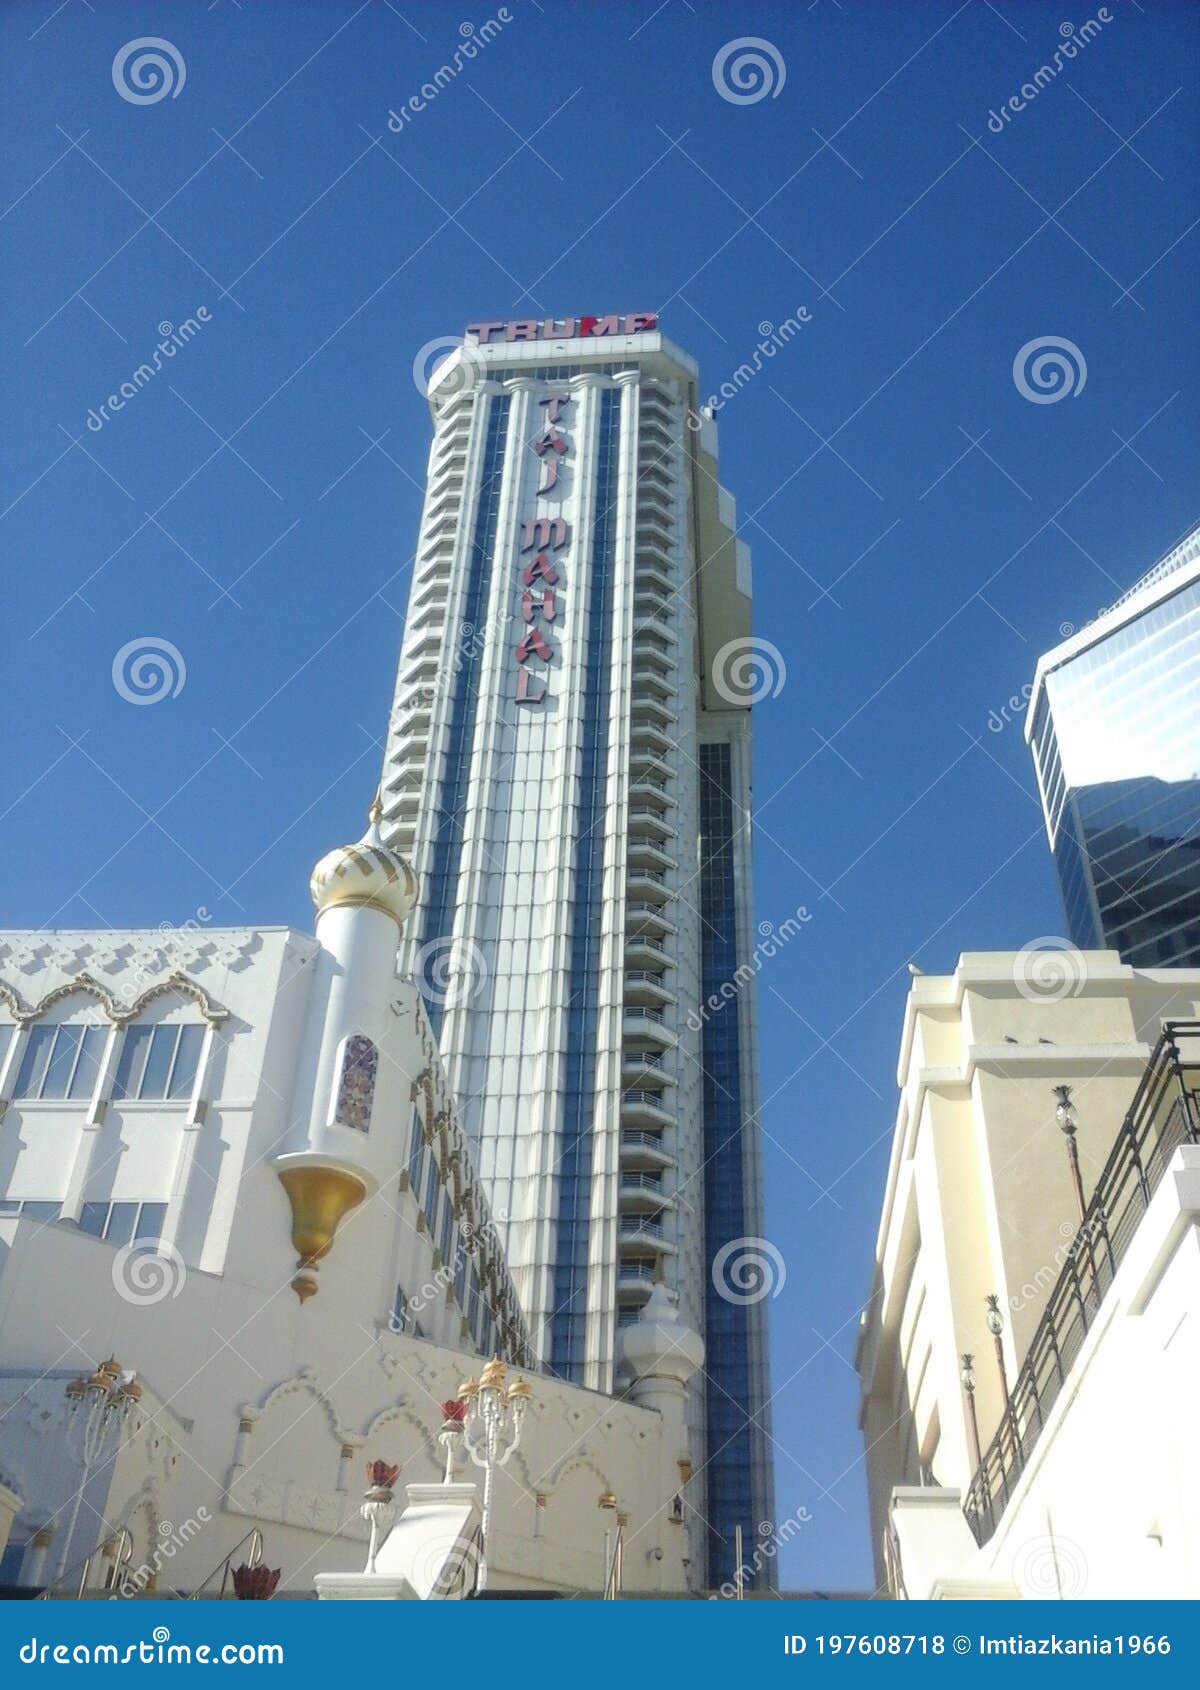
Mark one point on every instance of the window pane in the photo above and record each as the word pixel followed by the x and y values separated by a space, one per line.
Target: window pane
pixel 120 1223
pixel 92 1217
pixel 187 1057
pixel 150 1221
pixel 62 1060
pixel 87 1069
pixel 133 1056
pixel 9 1206
pixel 33 1063
pixel 40 1211
pixel 158 1063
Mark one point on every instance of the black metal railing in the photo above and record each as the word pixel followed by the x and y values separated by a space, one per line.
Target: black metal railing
pixel 1164 1114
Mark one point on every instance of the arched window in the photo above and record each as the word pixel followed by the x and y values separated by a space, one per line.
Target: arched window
pixel 356 1086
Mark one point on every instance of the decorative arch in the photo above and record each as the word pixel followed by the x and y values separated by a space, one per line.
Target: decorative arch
pixel 302 1384
pixel 554 1479
pixel 400 1412
pixel 118 1013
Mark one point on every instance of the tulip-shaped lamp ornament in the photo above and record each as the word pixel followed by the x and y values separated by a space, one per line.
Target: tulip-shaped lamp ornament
pixel 377 1503
pixel 494 1413
pixel 451 1436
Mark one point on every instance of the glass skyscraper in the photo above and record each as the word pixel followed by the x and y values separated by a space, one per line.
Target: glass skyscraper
pixel 568 768
pixel 1114 727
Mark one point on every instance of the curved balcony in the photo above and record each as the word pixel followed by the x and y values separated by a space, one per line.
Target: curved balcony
pixel 646 986
pixel 432 594
pixel 639 918
pixel 643 882
pixel 648 734
pixel 422 673
pixel 646 853
pixel 663 686
pixel 645 1067
pixel 643 1236
pixel 647 1021
pixel 650 789
pixel 642 951
pixel 413 722
pixel 643 1149
pixel 655 636
pixel 428 642
pixel 648 706
pixel 649 603
pixel 642 1193
pixel 645 1108
pixel 652 823
pixel 635 1281
pixel 645 761
pixel 653 526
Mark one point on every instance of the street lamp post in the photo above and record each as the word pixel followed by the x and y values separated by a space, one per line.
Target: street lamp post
pixel 995 1325
pixel 968 1383
pixel 97 1406
pixel 491 1426
pixel 1064 1114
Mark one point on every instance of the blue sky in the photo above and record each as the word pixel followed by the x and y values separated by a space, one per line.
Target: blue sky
pixel 920 529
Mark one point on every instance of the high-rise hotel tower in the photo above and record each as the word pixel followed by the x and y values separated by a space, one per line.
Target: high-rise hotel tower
pixel 568 768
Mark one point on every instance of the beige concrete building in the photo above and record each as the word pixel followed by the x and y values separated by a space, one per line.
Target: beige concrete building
pixel 981 1202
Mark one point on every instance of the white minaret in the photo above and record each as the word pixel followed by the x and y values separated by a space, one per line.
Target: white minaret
pixel 334 1160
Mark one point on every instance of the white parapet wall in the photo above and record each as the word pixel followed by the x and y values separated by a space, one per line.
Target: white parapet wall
pixel 1108 1504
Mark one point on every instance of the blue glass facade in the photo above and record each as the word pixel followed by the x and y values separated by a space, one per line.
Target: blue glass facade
pixel 442 884
pixel 729 1472
pixel 1116 739
pixel 569 1322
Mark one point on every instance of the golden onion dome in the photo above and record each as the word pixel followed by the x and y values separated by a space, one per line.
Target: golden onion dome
pixel 493 1375
pixel 369 875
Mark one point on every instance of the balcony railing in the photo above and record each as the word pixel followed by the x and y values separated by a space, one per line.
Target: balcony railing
pixel 644 1182
pixel 1164 1114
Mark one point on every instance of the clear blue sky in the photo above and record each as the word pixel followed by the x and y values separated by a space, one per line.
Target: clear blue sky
pixel 909 577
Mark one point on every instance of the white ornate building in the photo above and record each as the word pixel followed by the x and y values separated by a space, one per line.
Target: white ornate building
pixel 230 1162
